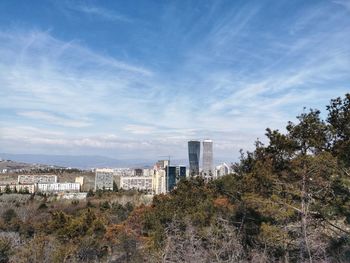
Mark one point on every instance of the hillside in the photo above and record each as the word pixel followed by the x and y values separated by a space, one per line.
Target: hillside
pixel 75 161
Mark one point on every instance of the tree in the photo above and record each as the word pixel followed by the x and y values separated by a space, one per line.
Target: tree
pixel 90 193
pixel 294 176
pixel 310 134
pixel 9 215
pixel 89 250
pixel 5 250
pixel 115 187
pixel 339 120
pixel 7 189
pixel 104 206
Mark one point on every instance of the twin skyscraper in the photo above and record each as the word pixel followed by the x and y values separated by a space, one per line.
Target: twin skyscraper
pixel 194 150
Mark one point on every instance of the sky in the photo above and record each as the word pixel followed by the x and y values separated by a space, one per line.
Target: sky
pixel 138 79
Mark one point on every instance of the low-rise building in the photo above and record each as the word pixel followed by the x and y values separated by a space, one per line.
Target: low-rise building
pixel 37 178
pixel 123 172
pixel 79 180
pixel 136 182
pixel 222 169
pixel 30 188
pixel 147 172
pixel 58 187
pixel 138 172
pixel 72 196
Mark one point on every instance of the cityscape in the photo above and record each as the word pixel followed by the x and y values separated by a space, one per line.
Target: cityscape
pixel 160 179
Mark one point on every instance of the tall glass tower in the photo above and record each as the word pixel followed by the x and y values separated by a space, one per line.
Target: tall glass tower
pixel 208 166
pixel 194 151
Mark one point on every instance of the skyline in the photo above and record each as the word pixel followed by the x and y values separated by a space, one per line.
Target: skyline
pixel 106 78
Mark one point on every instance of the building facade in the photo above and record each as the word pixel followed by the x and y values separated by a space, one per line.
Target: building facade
pixel 222 169
pixel 59 187
pixel 194 148
pixel 159 181
pixel 208 164
pixel 79 180
pixel 161 164
pixel 174 173
pixel 136 182
pixel 138 172
pixel 30 188
pixel 37 178
pixel 104 179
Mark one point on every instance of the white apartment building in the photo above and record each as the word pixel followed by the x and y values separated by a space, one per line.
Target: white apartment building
pixel 123 172
pixel 104 179
pixel 136 182
pixel 161 164
pixel 37 178
pixel 19 187
pixel 147 172
pixel 222 169
pixel 159 182
pixel 59 187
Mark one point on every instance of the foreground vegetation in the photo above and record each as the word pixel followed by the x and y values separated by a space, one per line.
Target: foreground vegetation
pixel 288 201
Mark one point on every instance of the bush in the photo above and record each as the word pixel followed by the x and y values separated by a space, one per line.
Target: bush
pixel 90 193
pixel 8 215
pixel 42 206
pixel 5 250
pixel 104 206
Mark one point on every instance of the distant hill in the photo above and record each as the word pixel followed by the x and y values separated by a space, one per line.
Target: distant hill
pixel 11 165
pixel 75 161
pixel 87 161
pixel 8 164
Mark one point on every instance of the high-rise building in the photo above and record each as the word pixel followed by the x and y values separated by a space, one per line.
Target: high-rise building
pixel 159 182
pixel 194 149
pixel 174 173
pixel 208 166
pixel 104 179
pixel 161 164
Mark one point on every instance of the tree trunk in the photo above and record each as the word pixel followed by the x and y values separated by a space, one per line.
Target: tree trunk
pixel 303 217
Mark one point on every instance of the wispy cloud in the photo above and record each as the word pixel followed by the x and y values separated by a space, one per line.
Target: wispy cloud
pixel 344 3
pixel 96 11
pixel 65 78
pixel 53 119
pixel 236 71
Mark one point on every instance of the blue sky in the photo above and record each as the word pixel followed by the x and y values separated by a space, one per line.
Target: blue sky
pixel 137 79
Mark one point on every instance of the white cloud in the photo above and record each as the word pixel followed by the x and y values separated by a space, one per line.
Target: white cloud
pixel 54 119
pixel 96 11
pixel 139 129
pixel 41 73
